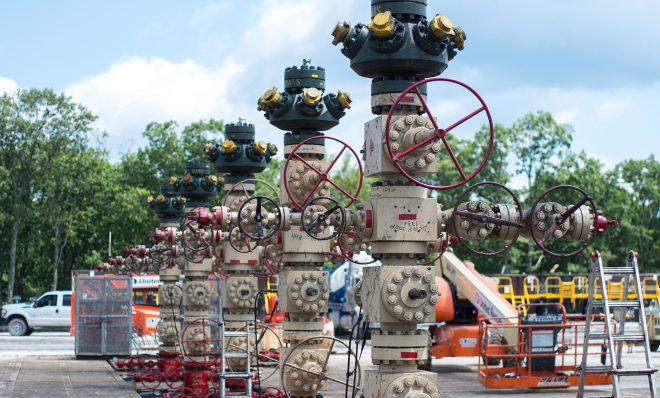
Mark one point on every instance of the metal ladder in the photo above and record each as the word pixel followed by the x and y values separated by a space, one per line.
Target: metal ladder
pixel 615 341
pixel 245 374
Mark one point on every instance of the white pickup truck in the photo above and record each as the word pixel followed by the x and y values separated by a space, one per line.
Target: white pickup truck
pixel 51 310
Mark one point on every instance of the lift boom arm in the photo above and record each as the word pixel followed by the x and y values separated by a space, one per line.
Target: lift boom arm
pixel 489 302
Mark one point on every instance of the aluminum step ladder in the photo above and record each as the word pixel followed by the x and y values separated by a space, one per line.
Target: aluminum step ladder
pixel 615 340
pixel 225 373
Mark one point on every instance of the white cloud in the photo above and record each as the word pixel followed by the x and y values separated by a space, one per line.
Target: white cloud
pixel 302 19
pixel 609 123
pixel 135 91
pixel 613 108
pixel 566 116
pixel 7 85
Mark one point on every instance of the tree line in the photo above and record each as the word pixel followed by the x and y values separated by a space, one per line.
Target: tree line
pixel 60 194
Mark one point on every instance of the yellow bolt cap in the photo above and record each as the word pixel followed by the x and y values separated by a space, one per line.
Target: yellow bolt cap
pixel 442 26
pixel 150 199
pixel 260 147
pixel 382 25
pixel 270 98
pixel 228 147
pixel 312 95
pixel 160 199
pixel 173 180
pixel 344 99
pixel 208 148
pixel 212 179
pixel 460 38
pixel 340 32
pixel 187 179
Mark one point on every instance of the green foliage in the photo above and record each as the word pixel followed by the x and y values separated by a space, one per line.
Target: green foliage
pixel 60 196
pixel 167 150
pixel 540 148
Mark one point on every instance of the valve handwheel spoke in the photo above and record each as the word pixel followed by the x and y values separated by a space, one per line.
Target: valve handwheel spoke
pixel 334 207
pixel 439 134
pixel 559 219
pixel 323 175
pixel 487 219
pixel 427 110
pixel 246 241
pixel 263 229
pixel 321 374
pixel 480 216
pixel 198 234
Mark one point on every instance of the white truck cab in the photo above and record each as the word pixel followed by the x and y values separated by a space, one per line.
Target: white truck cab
pixel 50 310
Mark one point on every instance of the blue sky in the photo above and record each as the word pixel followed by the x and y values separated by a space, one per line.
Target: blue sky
pixel 594 64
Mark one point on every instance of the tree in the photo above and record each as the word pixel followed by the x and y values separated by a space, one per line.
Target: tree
pixel 539 142
pixel 167 150
pixel 640 218
pixel 35 127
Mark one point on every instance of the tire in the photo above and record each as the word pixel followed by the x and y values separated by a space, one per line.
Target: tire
pixel 655 345
pixel 493 338
pixel 508 362
pixel 429 356
pixel 29 331
pixel 17 327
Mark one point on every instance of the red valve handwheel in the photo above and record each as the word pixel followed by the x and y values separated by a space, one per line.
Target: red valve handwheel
pixel 586 199
pixel 324 175
pixel 198 232
pixel 348 255
pixel 206 323
pixel 397 158
pixel 246 242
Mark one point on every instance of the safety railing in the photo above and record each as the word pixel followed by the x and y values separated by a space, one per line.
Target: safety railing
pixel 546 355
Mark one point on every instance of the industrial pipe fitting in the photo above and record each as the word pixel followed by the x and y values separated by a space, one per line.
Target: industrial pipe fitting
pixel 382 25
pixel 228 147
pixel 344 99
pixel 340 32
pixel 312 96
pixel 269 99
pixel 441 27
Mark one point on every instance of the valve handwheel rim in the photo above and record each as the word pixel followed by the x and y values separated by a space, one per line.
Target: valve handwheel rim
pixel 242 183
pixel 323 174
pixel 486 219
pixel 197 234
pixel 348 255
pixel 321 374
pixel 440 134
pixel 334 206
pixel 258 218
pixel 586 198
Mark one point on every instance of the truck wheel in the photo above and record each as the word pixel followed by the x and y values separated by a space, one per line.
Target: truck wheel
pixel 17 327
pixel 655 345
pixel 429 356
pixel 495 338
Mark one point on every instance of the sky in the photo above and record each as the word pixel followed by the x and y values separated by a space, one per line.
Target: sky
pixel 592 63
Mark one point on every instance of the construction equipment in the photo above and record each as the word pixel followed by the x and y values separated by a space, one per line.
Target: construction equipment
pixel 547 354
pixel 653 324
pixel 615 340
